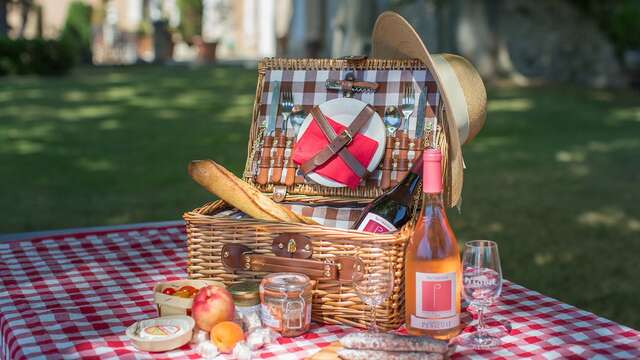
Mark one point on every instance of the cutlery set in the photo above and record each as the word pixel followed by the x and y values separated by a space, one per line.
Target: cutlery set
pixel 401 148
pixel 276 164
pixel 276 145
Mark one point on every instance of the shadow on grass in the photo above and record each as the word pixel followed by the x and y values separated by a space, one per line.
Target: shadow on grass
pixel 109 146
pixel 553 178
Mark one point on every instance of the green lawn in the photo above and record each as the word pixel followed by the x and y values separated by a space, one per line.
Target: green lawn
pixel 553 177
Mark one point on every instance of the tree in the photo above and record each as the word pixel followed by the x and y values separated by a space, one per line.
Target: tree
pixel 352 26
pixel 77 30
pixel 25 9
pixel 190 19
pixel 4 26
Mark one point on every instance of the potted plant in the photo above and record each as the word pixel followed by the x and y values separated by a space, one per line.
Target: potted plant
pixel 144 40
pixel 202 24
pixel 163 41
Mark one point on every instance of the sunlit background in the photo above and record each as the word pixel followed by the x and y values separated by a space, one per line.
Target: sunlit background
pixel 103 103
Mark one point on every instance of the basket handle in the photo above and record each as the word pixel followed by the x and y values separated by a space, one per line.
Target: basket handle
pixel 238 257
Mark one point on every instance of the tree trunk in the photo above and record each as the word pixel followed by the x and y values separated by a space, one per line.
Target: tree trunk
pixel 4 26
pixel 39 22
pixel 25 9
pixel 503 66
pixel 353 24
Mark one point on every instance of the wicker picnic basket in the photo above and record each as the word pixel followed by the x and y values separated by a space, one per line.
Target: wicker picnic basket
pixel 327 249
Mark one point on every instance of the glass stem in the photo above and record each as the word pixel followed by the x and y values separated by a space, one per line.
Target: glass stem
pixel 481 325
pixel 374 325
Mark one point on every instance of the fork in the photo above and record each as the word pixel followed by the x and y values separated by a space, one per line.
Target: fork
pixel 407 106
pixel 286 106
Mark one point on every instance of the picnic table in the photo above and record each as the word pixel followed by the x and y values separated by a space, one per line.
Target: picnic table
pixel 72 295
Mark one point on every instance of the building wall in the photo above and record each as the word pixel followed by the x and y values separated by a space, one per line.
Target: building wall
pixel 53 15
pixel 251 26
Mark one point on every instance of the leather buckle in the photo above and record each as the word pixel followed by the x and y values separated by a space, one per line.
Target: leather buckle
pixel 347 134
pixel 336 145
pixel 292 246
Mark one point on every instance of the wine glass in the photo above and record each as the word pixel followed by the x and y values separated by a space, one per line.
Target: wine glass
pixel 374 282
pixel 482 284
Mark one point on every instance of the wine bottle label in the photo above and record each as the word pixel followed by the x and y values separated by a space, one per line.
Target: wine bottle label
pixel 435 301
pixel 376 224
pixel 435 324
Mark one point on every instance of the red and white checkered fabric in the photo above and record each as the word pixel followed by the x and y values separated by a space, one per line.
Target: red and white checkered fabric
pixel 73 297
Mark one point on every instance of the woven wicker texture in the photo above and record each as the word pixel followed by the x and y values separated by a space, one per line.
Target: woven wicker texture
pixel 333 302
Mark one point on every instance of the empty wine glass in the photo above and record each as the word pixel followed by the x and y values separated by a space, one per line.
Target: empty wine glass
pixel 482 284
pixel 373 283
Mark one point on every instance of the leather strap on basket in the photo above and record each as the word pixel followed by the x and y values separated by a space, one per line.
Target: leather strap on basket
pixel 237 257
pixel 338 142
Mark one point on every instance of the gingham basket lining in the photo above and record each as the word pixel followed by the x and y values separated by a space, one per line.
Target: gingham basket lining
pixel 309 90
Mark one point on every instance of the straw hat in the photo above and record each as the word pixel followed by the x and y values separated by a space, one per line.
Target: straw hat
pixel 460 86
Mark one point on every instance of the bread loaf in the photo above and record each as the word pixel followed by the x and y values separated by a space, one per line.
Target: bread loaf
pixel 237 193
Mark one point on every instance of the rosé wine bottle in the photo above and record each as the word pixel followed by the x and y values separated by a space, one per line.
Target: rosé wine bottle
pixel 433 277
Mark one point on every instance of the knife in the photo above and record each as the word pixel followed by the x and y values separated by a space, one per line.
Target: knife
pixel 267 141
pixel 275 102
pixel 420 117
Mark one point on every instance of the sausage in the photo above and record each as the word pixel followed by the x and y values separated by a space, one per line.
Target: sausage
pixel 393 342
pixel 353 354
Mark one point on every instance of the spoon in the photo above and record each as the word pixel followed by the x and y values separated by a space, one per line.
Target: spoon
pixel 297 118
pixel 391 119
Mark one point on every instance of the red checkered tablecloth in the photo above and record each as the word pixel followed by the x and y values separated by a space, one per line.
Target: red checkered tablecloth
pixel 73 296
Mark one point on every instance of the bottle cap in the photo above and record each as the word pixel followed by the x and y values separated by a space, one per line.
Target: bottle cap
pixel 432 176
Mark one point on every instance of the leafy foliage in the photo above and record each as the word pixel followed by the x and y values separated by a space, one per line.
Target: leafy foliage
pixel 36 56
pixel 190 19
pixel 620 20
pixel 76 32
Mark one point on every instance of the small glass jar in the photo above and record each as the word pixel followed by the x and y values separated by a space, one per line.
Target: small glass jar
pixel 286 303
pixel 246 298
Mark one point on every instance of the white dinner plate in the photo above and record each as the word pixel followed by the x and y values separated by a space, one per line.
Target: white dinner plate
pixel 344 111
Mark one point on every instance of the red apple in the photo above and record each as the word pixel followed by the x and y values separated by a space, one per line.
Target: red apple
pixel 212 305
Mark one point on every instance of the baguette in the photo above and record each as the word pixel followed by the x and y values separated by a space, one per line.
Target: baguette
pixel 237 193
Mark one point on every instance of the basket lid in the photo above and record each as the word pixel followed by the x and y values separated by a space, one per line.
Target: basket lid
pixel 308 78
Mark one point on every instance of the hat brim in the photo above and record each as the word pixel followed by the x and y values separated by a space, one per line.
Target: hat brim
pixel 394 38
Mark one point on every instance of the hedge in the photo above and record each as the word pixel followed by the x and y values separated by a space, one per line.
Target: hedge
pixel 35 56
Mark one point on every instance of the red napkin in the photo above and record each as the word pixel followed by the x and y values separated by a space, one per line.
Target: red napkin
pixel 313 140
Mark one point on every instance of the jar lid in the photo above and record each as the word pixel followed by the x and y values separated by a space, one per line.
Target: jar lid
pixel 245 292
pixel 286 282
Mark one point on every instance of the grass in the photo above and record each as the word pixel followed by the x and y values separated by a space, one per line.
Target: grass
pixel 109 146
pixel 552 177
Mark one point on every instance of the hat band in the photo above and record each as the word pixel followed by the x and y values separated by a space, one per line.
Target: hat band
pixel 455 95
